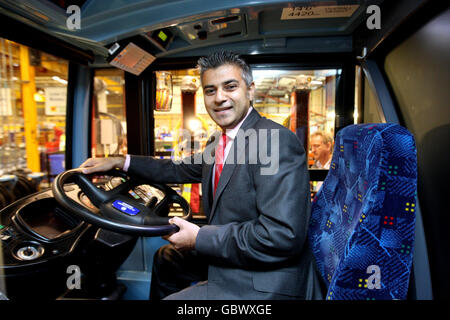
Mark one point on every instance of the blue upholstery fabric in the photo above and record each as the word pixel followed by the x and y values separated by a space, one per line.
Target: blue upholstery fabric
pixel 363 218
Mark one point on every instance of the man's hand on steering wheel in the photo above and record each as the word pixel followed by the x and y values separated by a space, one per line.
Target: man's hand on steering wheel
pixel 92 165
pixel 185 238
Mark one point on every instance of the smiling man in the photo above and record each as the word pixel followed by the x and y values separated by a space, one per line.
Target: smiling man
pixel 227 95
pixel 255 244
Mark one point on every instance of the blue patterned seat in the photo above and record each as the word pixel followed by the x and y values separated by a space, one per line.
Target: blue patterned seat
pixel 363 218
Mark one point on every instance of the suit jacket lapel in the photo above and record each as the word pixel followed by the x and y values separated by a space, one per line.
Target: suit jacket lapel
pixel 231 162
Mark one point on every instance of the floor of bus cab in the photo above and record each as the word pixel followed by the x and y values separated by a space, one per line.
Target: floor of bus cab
pixel 135 273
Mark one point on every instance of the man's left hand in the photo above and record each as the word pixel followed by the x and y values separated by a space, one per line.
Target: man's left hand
pixel 185 238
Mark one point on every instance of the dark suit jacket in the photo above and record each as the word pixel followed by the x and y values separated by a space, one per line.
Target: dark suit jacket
pixel 256 239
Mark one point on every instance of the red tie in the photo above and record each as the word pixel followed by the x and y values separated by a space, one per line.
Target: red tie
pixel 220 155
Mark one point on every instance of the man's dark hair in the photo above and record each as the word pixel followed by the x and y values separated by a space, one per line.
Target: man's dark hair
pixel 221 58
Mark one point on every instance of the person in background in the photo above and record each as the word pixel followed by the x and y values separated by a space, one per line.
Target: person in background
pixel 322 149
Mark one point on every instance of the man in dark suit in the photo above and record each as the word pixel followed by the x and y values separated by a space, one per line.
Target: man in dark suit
pixel 255 188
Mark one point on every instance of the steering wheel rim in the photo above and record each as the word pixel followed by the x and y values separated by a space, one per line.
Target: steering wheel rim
pixel 113 219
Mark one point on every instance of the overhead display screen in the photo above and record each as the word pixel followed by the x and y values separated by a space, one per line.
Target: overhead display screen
pixel 132 59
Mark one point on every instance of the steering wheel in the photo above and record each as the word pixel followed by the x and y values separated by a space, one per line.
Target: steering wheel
pixel 118 211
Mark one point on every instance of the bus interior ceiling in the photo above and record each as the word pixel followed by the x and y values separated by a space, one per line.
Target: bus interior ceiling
pixel 269 34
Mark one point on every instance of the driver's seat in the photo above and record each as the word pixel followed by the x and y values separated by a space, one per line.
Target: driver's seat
pixel 363 218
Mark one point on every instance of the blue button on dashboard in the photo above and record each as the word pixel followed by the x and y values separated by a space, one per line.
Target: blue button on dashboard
pixel 125 207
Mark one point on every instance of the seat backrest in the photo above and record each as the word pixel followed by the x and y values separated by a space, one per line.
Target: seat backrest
pixel 363 218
